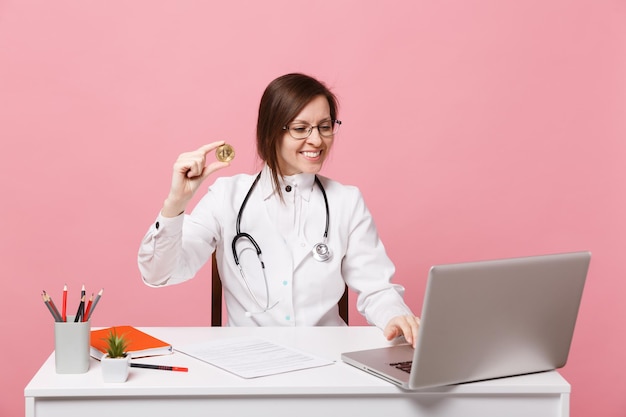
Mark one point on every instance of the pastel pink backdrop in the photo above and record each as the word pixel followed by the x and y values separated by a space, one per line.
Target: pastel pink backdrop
pixel 475 129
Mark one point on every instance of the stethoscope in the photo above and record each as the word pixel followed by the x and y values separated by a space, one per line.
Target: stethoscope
pixel 321 252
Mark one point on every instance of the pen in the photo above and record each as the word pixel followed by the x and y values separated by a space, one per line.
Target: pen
pixel 64 316
pixel 88 308
pixel 55 312
pixel 160 367
pixel 95 303
pixel 56 318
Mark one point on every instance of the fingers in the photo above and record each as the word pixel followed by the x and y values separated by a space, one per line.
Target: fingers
pixel 211 168
pixel 392 330
pixel 190 170
pixel 408 326
pixel 205 149
pixel 192 164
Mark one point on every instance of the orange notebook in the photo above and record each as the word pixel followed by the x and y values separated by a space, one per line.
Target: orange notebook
pixel 139 343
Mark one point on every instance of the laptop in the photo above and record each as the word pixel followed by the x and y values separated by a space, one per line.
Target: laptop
pixel 485 320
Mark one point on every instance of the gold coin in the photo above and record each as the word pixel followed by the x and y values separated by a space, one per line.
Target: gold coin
pixel 225 153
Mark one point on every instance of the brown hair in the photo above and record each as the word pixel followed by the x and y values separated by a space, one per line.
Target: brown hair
pixel 283 99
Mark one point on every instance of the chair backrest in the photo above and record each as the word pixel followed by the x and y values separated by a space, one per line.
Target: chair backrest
pixel 216 297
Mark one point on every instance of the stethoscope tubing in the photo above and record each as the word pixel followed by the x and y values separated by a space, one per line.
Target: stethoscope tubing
pixel 242 235
pixel 239 234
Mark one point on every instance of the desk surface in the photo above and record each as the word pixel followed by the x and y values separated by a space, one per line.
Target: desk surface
pixel 208 382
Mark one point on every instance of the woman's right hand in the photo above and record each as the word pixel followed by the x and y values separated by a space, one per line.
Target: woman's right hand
pixel 190 170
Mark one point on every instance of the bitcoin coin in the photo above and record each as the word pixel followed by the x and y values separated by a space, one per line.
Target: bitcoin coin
pixel 225 153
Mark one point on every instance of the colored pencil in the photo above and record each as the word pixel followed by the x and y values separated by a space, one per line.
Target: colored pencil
pixel 95 303
pixel 82 306
pixel 88 308
pixel 79 312
pixel 159 367
pixel 56 318
pixel 64 316
pixel 54 307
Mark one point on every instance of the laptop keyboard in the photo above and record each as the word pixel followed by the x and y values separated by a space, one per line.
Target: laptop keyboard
pixel 403 366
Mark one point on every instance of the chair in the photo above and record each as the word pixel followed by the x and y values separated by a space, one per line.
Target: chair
pixel 216 297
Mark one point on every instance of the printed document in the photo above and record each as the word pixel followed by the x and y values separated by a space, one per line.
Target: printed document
pixel 251 357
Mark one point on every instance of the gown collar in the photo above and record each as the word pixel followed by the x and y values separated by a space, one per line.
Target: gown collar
pixel 301 184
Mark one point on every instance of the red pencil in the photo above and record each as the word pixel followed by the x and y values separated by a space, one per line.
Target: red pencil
pixel 64 303
pixel 86 315
pixel 95 303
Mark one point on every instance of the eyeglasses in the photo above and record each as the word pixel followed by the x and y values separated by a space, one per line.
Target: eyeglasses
pixel 301 131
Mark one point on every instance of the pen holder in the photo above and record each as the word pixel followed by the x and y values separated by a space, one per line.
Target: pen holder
pixel 71 346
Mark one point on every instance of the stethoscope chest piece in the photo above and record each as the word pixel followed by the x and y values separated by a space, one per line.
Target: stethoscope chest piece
pixel 321 252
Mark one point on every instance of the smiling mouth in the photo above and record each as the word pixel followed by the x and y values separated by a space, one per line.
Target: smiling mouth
pixel 310 154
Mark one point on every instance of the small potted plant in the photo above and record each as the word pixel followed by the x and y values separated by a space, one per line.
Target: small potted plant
pixel 115 362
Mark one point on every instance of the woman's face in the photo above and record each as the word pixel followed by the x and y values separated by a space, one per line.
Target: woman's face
pixel 297 156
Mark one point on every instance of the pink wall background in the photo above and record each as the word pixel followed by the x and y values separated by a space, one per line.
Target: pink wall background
pixel 475 129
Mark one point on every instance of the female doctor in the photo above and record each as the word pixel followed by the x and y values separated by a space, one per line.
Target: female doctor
pixel 286 239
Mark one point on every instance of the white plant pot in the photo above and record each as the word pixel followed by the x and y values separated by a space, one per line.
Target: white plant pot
pixel 115 369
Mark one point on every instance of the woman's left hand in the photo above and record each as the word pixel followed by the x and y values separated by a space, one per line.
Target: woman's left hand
pixel 406 326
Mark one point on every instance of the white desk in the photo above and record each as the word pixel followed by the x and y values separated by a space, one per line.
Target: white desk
pixel 335 390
